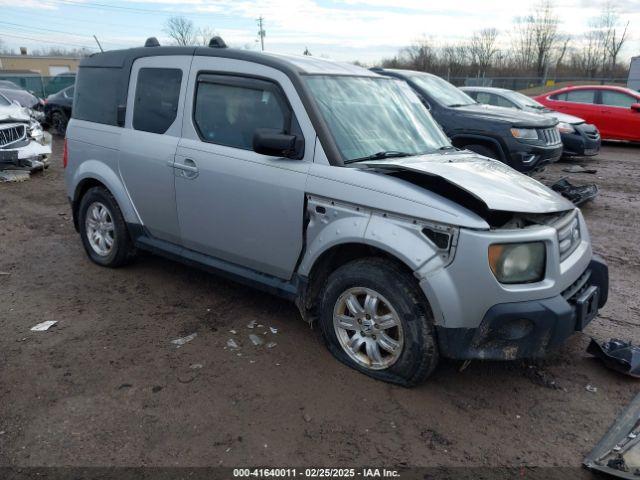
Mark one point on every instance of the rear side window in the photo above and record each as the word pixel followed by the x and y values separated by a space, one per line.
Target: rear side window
pixel 499 101
pixel 98 95
pixel 228 110
pixel 581 96
pixel 617 99
pixel 156 102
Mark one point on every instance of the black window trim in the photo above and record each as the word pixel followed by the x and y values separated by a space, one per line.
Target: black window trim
pixel 177 110
pixel 241 80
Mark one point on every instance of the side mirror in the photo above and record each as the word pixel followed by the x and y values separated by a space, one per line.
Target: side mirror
pixel 274 143
pixel 635 107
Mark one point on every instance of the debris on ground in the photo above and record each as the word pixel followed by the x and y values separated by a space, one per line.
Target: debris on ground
pixel 591 388
pixel 579 169
pixel 252 324
pixel 231 343
pixel 178 342
pixel 618 453
pixel 577 194
pixel 195 366
pixel 13 176
pixel 256 340
pixel 41 327
pixel 271 344
pixel 232 331
pixel 2 274
pixel 274 330
pixel 617 355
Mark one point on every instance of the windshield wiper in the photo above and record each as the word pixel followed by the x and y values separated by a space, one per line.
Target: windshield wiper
pixel 456 105
pixel 380 156
pixel 448 147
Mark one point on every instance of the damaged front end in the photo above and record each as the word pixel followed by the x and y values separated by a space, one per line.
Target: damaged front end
pixel 24 145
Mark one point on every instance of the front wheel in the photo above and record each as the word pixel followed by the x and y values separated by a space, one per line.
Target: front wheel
pixel 374 319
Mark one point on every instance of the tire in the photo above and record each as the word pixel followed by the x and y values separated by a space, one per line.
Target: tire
pixel 98 212
pixel 59 123
pixel 416 355
pixel 483 150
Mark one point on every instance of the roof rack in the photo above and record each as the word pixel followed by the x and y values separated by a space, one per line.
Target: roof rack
pixel 217 42
pixel 152 42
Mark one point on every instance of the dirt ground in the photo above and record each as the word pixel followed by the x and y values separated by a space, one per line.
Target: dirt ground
pixel 105 386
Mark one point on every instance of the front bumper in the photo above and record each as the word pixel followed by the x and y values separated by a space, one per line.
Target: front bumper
pixel 584 141
pixel 529 157
pixel 529 329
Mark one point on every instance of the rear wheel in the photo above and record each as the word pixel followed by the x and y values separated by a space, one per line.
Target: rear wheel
pixel 103 230
pixel 374 319
pixel 483 150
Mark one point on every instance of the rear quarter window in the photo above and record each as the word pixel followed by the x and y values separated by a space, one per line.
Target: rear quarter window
pixel 97 95
pixel 156 101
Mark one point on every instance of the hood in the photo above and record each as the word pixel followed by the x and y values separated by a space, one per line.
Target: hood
pixel 495 184
pixel 14 113
pixel 561 117
pixel 23 97
pixel 516 118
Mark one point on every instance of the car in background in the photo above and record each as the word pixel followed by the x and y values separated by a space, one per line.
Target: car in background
pixel 614 110
pixel 522 140
pixel 25 98
pixel 57 110
pixel 578 137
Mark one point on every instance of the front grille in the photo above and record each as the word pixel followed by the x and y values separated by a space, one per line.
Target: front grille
pixel 10 134
pixel 568 228
pixel 577 287
pixel 550 136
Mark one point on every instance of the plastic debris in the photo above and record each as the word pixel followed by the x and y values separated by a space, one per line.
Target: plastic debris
pixel 591 388
pixel 14 176
pixel 195 366
pixel 231 343
pixel 252 324
pixel 233 332
pixel 4 273
pixel 617 355
pixel 41 327
pixel 579 169
pixel 178 342
pixel 273 330
pixel 576 194
pixel 256 340
pixel 271 344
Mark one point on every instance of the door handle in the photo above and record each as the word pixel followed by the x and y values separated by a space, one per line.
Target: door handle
pixel 189 168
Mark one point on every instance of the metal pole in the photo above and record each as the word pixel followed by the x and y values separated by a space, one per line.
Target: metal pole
pixel 261 32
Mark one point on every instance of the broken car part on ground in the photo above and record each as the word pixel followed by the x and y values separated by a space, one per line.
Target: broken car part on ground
pixel 620 356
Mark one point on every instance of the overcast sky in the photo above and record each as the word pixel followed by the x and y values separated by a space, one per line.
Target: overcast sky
pixel 365 30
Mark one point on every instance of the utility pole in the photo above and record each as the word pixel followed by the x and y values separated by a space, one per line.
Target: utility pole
pixel 261 32
pixel 99 46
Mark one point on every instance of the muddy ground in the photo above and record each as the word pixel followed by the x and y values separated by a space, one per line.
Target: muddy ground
pixel 106 387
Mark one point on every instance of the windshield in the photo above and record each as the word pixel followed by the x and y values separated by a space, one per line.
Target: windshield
pixel 4 101
pixel 522 99
pixel 442 91
pixel 369 116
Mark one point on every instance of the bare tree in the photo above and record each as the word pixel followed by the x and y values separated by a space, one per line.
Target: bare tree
pixel 181 30
pixel 613 38
pixel 204 35
pixel 537 35
pixel 483 49
pixel 420 55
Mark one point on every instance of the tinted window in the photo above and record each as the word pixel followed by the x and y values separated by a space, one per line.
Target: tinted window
pixel 483 97
pixel 156 102
pixel 441 90
pixel 4 101
pixel 581 96
pixel 229 114
pixel 97 99
pixel 617 99
pixel 501 102
pixel 69 92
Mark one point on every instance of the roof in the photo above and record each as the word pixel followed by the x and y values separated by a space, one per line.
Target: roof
pixel 617 88
pixel 485 89
pixel 290 63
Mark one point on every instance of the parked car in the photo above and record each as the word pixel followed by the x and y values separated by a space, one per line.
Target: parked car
pixel 57 110
pixel 23 143
pixel 578 137
pixel 522 140
pixel 332 186
pixel 614 110
pixel 23 97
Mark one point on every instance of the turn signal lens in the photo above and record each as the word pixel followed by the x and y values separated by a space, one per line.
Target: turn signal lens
pixel 65 154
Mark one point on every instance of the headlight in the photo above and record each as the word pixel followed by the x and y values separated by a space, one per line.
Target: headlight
pixel 518 262
pixel 565 127
pixel 525 133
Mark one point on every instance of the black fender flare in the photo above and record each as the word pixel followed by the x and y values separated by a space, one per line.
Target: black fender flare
pixel 484 139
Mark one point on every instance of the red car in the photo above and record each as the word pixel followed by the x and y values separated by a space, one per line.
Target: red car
pixel 614 110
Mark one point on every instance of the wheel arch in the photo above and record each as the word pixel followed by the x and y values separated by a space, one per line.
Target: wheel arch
pixel 462 140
